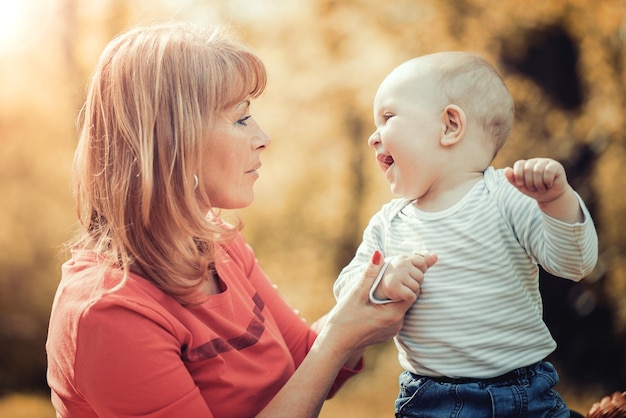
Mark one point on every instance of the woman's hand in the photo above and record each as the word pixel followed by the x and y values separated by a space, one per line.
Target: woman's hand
pixel 352 325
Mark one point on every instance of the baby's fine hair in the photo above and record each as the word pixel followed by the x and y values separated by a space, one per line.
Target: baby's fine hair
pixel 150 108
pixel 468 80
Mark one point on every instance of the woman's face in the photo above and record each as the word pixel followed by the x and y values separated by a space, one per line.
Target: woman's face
pixel 233 157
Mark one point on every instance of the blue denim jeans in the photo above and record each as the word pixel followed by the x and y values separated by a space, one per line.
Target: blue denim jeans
pixel 525 392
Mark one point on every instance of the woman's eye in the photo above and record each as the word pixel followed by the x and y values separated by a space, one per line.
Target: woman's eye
pixel 243 120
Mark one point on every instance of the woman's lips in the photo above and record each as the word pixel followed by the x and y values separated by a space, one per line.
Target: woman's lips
pixel 255 169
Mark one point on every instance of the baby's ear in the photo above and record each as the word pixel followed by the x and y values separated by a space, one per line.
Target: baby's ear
pixel 454 125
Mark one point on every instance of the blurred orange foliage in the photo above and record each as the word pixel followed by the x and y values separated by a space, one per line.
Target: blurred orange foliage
pixel 319 183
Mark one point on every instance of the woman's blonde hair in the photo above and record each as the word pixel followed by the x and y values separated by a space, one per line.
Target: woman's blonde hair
pixel 150 108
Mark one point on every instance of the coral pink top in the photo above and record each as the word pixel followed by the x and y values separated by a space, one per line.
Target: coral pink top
pixel 138 352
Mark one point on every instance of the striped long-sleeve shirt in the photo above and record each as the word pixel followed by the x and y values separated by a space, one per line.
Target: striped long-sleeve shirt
pixel 479 313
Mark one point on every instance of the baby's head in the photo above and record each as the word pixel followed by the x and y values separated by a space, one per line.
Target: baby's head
pixel 469 81
pixel 439 115
pixel 464 79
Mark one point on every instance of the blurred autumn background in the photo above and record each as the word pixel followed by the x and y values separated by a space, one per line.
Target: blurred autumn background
pixel 564 61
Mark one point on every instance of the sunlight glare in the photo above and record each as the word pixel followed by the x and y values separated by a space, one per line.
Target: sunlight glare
pixel 21 23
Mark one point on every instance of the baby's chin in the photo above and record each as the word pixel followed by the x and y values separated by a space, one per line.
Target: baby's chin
pixel 398 192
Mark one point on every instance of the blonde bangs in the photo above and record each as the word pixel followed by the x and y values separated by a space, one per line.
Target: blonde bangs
pixel 236 74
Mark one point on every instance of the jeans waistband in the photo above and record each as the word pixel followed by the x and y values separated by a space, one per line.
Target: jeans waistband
pixel 520 373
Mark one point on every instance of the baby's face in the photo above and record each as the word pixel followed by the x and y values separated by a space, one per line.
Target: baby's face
pixel 409 125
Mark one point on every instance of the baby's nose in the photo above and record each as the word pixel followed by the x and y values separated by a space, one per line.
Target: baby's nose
pixel 374 139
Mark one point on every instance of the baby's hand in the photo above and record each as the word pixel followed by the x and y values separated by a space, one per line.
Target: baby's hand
pixel 543 179
pixel 404 276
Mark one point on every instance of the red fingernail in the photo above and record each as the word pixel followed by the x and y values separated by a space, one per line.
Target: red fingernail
pixel 376 257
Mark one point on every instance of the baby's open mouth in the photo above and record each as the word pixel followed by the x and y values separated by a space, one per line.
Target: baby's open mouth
pixel 385 160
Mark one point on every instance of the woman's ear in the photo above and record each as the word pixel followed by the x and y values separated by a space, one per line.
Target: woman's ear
pixel 454 125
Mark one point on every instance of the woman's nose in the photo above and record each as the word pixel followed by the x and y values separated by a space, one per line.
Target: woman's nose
pixel 261 139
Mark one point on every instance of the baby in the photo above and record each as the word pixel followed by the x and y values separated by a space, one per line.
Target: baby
pixel 474 344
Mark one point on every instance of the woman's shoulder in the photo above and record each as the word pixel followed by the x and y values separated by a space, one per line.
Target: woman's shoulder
pixel 91 298
pixel 88 283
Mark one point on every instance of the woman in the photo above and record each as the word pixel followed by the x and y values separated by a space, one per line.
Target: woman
pixel 162 310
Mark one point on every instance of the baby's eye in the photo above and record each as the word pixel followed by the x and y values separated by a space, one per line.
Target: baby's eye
pixel 387 116
pixel 243 120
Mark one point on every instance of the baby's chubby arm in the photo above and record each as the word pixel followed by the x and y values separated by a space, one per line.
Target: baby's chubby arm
pixel 545 180
pixel 403 277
